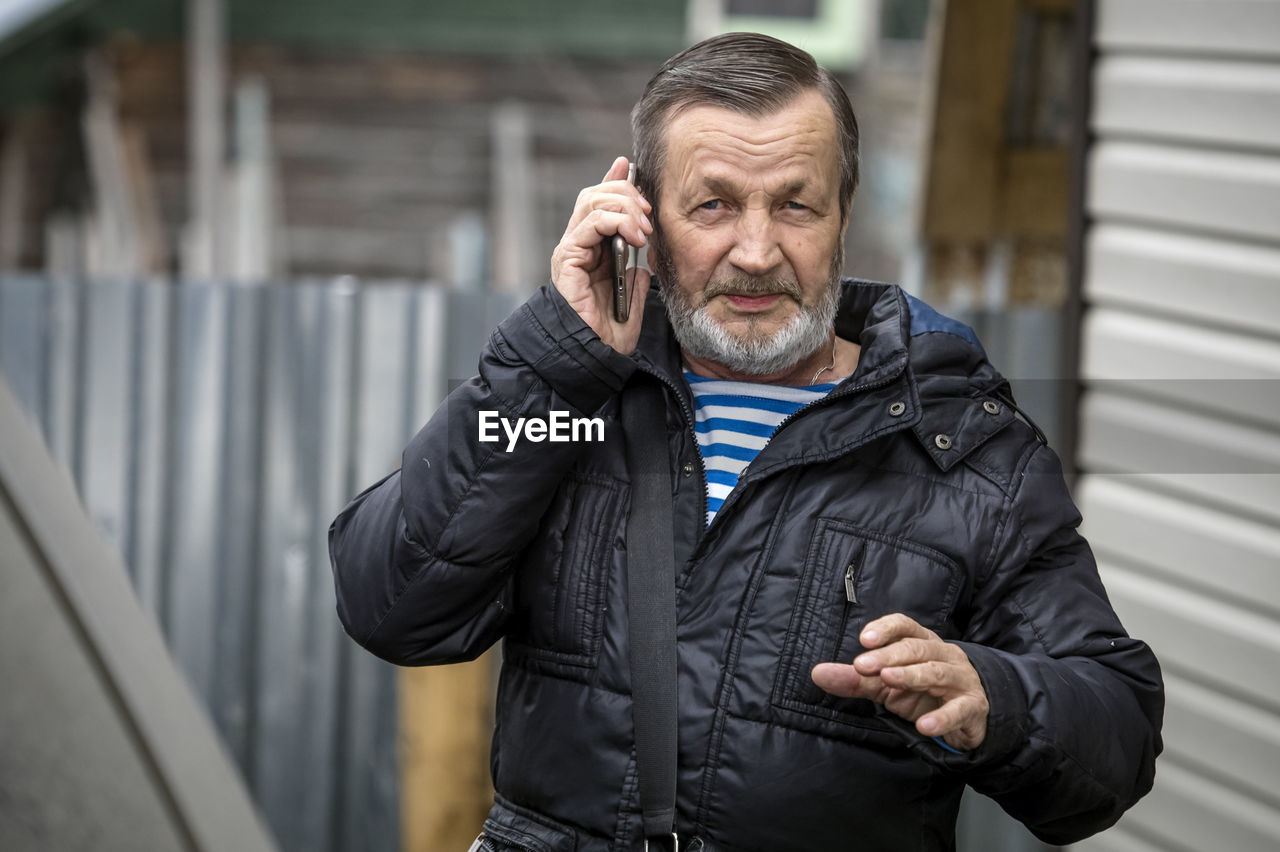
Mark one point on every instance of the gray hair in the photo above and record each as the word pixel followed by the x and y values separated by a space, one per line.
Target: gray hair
pixel 749 73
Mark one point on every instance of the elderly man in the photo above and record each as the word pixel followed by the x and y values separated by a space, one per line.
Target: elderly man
pixel 880 595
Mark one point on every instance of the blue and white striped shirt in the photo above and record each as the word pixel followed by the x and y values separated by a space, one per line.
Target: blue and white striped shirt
pixel 734 421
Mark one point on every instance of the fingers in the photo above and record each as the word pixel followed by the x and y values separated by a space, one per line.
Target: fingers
pixel 901 653
pixel 933 676
pixel 920 665
pixel 612 193
pixel 892 627
pixel 580 268
pixel 943 695
pixel 612 197
pixel 959 714
pixel 845 681
pixel 916 676
pixel 617 171
pixel 588 235
pixel 961 720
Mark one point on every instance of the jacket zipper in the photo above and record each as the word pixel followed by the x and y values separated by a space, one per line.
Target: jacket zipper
pixel 851 572
pixel 502 838
pixel 691 434
pixel 850 592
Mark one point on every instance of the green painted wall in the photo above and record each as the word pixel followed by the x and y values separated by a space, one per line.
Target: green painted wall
pixel 34 60
pixel 602 27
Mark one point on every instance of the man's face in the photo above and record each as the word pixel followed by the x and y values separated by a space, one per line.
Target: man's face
pixel 750 233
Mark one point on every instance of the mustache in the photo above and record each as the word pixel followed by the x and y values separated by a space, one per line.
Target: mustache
pixel 752 285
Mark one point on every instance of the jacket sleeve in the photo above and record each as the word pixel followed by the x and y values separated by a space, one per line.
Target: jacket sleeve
pixel 421 560
pixel 1075 704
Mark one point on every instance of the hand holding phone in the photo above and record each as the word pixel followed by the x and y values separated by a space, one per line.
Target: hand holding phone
pixel 621 254
pixel 589 267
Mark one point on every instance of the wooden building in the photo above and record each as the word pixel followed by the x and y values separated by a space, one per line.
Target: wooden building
pixel 378 140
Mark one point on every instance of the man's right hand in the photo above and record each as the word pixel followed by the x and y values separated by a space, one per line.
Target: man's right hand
pixel 580 266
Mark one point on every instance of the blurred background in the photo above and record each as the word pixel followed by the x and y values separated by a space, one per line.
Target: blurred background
pixel 247 247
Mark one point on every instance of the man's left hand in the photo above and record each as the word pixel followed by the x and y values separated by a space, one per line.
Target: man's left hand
pixel 917 676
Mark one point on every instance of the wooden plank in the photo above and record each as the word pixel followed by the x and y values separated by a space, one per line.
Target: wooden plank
pixel 370 187
pixel 1166 272
pixel 250 228
pixel 114 240
pixel 1188 100
pixel 312 249
pixel 1215 192
pixel 13 192
pixel 513 199
pixel 325 136
pixel 74 776
pixel 962 192
pixel 152 257
pixel 205 797
pixel 1183 363
pixel 1175 540
pixel 654 29
pixel 1036 193
pixel 446 722
pixel 1223 647
pixel 1227 27
pixel 206 99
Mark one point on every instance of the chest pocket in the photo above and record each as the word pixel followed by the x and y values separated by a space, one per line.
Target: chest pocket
pixel 852 576
pixel 561 585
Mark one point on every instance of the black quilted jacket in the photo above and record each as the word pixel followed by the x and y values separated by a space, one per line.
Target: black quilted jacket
pixel 973 534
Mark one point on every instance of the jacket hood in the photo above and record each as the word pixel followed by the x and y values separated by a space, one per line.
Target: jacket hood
pixel 918 369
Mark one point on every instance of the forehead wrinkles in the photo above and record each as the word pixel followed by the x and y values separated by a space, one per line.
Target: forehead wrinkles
pixel 783 174
pixel 784 142
pixel 794 144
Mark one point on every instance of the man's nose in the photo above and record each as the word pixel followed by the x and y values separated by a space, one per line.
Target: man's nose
pixel 755 248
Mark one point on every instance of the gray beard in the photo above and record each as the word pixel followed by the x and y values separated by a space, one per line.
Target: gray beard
pixel 753 352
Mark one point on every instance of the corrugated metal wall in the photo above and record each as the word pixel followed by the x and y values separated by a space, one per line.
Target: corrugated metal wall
pixel 213 432
pixel 1180 418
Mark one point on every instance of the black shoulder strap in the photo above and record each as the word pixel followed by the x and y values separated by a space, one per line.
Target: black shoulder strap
pixel 651 605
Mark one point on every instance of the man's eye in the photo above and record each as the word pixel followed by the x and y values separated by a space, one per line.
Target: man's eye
pixel 713 204
pixel 796 205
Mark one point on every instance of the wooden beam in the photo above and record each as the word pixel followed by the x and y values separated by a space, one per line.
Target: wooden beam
pixel 513 209
pixel 13 193
pixel 1035 197
pixel 106 672
pixel 206 131
pixel 961 199
pixel 446 722
pixel 114 239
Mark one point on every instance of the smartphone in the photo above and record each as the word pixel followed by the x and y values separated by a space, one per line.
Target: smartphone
pixel 620 252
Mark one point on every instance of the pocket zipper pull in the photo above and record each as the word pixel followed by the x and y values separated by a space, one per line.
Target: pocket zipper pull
pixel 849 591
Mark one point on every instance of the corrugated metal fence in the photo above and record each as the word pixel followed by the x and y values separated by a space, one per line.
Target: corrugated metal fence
pixel 213 432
